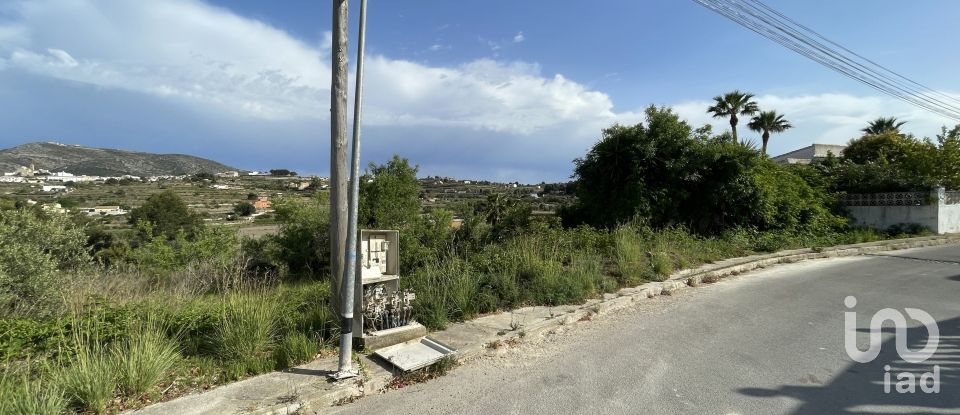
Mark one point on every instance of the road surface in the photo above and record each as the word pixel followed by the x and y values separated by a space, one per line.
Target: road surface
pixel 768 342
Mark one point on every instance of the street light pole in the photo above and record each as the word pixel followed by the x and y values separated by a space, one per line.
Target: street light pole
pixel 350 258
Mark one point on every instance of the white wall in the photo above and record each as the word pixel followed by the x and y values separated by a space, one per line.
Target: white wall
pixel 949 219
pixel 883 217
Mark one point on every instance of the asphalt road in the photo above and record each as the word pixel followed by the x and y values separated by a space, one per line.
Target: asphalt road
pixel 769 342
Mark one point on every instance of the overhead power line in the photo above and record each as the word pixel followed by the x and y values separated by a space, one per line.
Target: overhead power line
pixel 774 25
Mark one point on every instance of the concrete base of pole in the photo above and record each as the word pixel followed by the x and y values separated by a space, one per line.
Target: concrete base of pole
pixel 344 374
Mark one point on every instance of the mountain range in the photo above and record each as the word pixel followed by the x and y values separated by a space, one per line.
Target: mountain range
pixel 82 160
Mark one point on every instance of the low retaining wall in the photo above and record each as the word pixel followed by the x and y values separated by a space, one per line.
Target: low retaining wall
pixel 938 210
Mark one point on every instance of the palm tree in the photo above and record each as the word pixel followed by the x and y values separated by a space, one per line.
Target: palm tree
pixel 768 122
pixel 882 125
pixel 731 105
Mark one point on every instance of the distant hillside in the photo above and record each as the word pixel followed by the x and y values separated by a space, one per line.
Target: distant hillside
pixel 103 162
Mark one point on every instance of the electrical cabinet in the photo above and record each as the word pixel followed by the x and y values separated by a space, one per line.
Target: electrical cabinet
pixel 383 312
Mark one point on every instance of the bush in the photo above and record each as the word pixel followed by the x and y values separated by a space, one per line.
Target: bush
pixel 303 244
pixel 667 174
pixel 38 257
pixel 168 215
pixel 244 209
pixel 144 357
pixel 210 247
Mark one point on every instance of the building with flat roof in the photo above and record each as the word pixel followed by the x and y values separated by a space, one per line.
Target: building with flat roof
pixel 810 154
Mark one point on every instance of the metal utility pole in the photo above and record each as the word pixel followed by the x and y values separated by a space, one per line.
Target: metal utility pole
pixel 350 259
pixel 338 147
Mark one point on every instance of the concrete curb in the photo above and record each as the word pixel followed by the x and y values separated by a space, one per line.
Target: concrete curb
pixel 683 279
pixel 481 336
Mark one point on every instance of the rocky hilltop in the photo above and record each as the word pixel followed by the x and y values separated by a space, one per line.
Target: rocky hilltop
pixel 103 161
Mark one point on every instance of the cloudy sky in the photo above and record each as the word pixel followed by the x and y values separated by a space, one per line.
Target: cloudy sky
pixel 496 89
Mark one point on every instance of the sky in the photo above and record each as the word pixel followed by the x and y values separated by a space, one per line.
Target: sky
pixel 493 89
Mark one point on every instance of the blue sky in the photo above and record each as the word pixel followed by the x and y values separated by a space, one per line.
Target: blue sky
pixel 492 89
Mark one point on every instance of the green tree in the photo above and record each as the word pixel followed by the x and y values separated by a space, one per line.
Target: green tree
pixel 731 105
pixel 768 122
pixel 282 172
pixel 885 147
pixel 168 215
pixel 244 209
pixel 389 195
pixel 948 158
pixel 662 173
pixel 204 176
pixel 303 243
pixel 883 125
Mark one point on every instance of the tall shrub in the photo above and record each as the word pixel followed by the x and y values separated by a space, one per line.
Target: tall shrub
pixel 39 255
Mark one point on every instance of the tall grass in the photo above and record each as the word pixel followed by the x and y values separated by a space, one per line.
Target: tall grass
pixel 90 379
pixel 295 348
pixel 247 330
pixel 22 393
pixel 144 357
pixel 630 255
pixel 446 289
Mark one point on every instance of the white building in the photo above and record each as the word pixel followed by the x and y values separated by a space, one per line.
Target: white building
pixel 810 154
pixel 104 211
pixel 53 188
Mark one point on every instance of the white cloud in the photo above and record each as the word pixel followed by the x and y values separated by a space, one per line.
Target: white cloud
pixel 207 56
pixel 519 38
pixel 507 116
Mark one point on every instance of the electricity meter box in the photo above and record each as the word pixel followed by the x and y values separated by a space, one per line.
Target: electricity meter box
pixel 383 314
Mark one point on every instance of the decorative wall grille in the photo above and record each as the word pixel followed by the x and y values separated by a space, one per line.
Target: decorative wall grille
pixel 889 199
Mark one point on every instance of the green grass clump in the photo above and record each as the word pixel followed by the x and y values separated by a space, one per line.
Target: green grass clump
pixel 294 349
pixel 21 394
pixel 90 379
pixel 630 255
pixel 144 357
pixel 247 332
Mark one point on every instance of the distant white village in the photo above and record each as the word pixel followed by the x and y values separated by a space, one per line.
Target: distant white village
pixel 58 182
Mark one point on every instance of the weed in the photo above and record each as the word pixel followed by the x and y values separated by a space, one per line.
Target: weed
pixel 440 368
pixel 246 331
pixel 294 349
pixel 90 379
pixel 144 357
pixel 515 324
pixel 22 394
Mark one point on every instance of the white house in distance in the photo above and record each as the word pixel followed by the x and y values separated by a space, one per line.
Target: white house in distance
pixel 104 211
pixel 809 154
pixel 53 188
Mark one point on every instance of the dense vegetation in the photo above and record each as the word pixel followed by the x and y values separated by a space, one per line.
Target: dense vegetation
pixel 98 322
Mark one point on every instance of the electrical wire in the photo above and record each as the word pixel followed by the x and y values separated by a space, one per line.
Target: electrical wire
pixel 769 23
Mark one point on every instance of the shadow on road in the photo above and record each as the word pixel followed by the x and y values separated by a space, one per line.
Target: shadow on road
pixel 954 278
pixel 859 388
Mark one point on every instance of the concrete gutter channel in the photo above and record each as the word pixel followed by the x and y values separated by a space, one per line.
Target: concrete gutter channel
pixel 306 387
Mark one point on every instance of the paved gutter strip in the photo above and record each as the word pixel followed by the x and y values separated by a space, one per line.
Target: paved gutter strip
pixel 475 338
